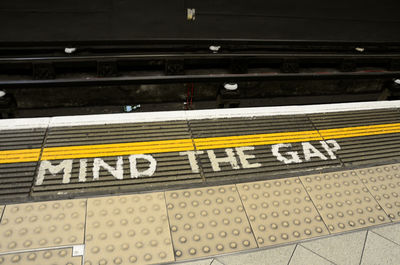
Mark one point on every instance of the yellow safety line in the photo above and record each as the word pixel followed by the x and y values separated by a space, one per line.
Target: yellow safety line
pixel 102 150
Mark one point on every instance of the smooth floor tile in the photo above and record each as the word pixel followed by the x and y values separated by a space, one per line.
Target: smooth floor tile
pixel 342 249
pixel 274 256
pixel 380 251
pixel 391 232
pixel 303 256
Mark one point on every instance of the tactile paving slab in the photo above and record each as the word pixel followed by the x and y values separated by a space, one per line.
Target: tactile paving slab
pixel 280 211
pixel 384 184
pixel 130 229
pixel 208 221
pixel 343 201
pixel 42 224
pixel 44 257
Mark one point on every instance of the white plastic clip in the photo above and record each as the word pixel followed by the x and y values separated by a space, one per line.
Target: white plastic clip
pixel 78 250
pixel 191 14
pixel 69 50
pixel 214 49
pixel 231 86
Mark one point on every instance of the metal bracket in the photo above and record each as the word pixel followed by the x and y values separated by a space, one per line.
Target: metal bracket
pixel 42 71
pixel 394 65
pixel 174 67
pixel 107 68
pixel 348 66
pixel 239 66
pixel 228 96
pixel 290 66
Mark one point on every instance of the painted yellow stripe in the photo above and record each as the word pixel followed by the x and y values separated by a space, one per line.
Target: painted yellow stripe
pixel 166 146
pixel 256 139
pixel 16 156
pixel 87 151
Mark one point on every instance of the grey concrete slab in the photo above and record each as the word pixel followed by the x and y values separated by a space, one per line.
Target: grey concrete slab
pixel 274 256
pixel 303 256
pixel 198 262
pixel 380 251
pixel 343 249
pixel 391 232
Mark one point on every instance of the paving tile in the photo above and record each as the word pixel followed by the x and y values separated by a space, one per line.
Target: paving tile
pixel 208 221
pixel 274 256
pixel 391 232
pixel 341 249
pixel 42 224
pixel 198 262
pixel 384 184
pixel 130 229
pixel 280 211
pixel 380 251
pixel 302 256
pixel 343 201
pixel 55 256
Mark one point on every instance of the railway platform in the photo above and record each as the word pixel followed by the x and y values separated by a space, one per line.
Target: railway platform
pixel 316 184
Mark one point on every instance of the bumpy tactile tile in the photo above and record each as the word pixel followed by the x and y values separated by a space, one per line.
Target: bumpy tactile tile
pixel 343 201
pixel 42 224
pixel 208 221
pixel 280 211
pixel 55 256
pixel 129 229
pixel 384 184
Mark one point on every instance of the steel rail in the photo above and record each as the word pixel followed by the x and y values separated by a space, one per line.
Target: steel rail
pixel 157 79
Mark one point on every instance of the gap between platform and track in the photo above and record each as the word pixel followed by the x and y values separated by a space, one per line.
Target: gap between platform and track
pixel 152 147
pixel 140 117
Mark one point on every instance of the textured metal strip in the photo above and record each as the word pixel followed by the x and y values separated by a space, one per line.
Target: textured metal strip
pixel 365 149
pixel 267 164
pixel 171 169
pixel 117 133
pixel 16 178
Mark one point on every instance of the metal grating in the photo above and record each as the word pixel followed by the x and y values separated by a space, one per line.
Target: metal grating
pixel 172 168
pixel 270 165
pixel 116 133
pixel 16 178
pixel 363 149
